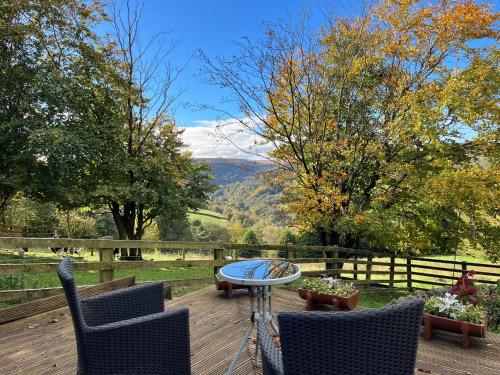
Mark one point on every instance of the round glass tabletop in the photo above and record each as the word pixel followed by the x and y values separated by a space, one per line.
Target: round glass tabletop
pixel 260 272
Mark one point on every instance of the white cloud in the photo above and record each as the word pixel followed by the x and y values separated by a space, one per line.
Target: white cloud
pixel 223 139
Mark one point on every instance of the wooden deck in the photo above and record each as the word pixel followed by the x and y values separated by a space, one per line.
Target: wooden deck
pixel 45 344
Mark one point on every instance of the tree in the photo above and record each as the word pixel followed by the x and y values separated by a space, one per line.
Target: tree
pixel 56 103
pixel 363 114
pixel 250 237
pixel 152 175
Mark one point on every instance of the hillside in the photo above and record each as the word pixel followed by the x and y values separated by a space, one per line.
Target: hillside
pixel 228 171
pixel 206 216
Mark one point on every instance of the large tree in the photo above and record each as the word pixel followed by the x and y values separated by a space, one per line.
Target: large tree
pixel 57 103
pixel 362 116
pixel 153 175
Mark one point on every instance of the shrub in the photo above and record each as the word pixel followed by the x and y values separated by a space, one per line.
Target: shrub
pixel 488 296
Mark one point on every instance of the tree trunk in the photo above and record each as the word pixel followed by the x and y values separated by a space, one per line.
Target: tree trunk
pixel 125 224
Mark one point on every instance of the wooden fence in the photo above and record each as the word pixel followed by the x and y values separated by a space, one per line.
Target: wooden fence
pixel 365 268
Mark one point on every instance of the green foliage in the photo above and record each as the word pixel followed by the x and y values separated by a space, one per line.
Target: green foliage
pixel 10 282
pixel 57 109
pixel 450 307
pixel 104 225
pixel 76 224
pixel 488 296
pixel 250 201
pixel 331 286
pixel 209 232
pixel 174 229
pixel 250 237
pixel 78 128
pixel 287 237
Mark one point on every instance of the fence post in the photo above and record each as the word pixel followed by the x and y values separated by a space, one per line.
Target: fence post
pixel 355 267
pixel 408 274
pixel 368 274
pixel 464 268
pixel 331 265
pixel 106 255
pixel 24 233
pixel 183 255
pixel 336 268
pixel 391 272
pixel 218 255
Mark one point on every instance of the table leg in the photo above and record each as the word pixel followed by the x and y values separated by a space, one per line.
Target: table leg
pixel 262 309
pixel 244 341
pixel 271 321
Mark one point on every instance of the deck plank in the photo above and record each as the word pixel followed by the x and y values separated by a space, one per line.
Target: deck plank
pixel 216 326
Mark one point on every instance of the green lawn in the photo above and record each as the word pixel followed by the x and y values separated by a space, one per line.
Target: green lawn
pixel 206 216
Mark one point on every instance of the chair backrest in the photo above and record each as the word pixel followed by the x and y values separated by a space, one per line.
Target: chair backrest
pixel 372 341
pixel 67 278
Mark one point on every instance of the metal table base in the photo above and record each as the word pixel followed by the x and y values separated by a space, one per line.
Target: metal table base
pixel 261 305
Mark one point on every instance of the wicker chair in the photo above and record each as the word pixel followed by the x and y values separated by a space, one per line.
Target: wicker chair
pixel 127 331
pixel 372 341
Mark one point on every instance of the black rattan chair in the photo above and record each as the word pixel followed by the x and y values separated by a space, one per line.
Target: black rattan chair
pixel 367 342
pixel 127 331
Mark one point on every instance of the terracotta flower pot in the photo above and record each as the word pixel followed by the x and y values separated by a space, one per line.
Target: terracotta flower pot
pixel 313 298
pixel 467 329
pixel 228 287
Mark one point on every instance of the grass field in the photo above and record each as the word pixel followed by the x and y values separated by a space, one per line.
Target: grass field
pixel 206 216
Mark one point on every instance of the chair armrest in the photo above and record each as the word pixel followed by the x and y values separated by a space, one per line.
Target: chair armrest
pixel 272 362
pixel 123 304
pixel 153 344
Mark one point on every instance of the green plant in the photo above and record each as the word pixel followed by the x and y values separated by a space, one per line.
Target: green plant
pixel 10 282
pixel 329 285
pixel 488 296
pixel 449 306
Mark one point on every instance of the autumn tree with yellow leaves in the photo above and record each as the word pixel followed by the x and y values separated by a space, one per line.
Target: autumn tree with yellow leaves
pixel 384 127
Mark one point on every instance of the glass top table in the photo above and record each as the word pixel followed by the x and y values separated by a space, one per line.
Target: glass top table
pixel 260 272
pixel 259 275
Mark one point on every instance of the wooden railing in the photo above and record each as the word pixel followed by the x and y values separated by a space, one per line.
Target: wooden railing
pixel 364 267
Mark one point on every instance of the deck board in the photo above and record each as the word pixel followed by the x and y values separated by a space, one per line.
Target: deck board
pixel 35 346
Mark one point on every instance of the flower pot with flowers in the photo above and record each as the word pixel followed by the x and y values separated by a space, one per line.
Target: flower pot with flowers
pixel 456 312
pixel 336 292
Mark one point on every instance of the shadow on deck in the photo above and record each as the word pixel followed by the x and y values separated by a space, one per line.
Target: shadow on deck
pixel 45 344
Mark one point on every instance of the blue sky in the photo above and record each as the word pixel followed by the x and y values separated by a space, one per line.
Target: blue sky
pixel 214 26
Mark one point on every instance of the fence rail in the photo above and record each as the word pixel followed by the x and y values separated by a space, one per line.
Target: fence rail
pixel 364 267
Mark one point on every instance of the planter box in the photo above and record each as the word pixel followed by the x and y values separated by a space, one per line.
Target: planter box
pixel 467 329
pixel 313 298
pixel 228 287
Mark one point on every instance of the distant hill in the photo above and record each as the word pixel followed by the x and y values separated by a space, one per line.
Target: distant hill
pixel 241 194
pixel 228 171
